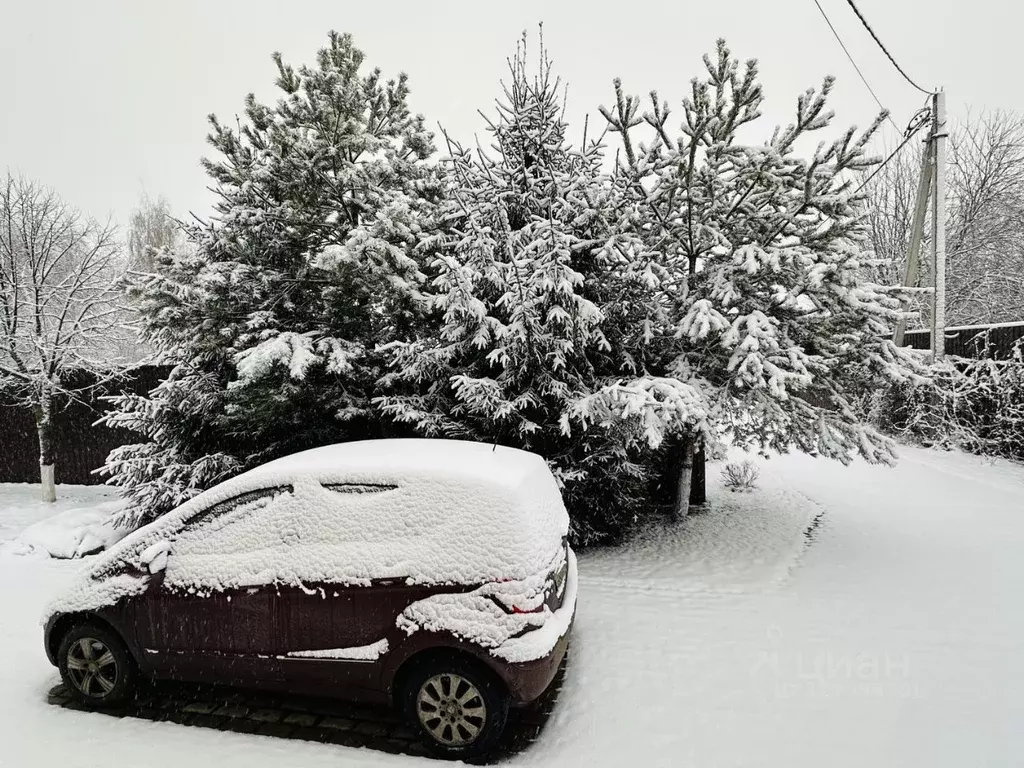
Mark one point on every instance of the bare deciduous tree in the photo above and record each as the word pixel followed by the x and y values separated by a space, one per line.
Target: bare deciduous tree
pixel 60 311
pixel 985 229
pixel 985 220
pixel 891 197
pixel 151 229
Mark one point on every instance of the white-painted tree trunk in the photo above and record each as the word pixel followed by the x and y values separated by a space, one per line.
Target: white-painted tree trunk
pixel 44 428
pixel 49 489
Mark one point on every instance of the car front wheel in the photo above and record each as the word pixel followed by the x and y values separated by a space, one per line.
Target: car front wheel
pixel 95 666
pixel 458 707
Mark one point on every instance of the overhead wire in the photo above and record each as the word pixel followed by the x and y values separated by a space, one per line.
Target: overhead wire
pixel 854 63
pixel 885 50
pixel 920 119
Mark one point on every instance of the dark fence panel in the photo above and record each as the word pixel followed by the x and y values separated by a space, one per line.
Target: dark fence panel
pixel 975 341
pixel 80 447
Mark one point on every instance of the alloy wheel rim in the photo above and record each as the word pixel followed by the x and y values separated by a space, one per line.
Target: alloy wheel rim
pixel 92 667
pixel 451 709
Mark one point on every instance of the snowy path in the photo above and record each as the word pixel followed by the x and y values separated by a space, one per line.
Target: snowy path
pixel 895 640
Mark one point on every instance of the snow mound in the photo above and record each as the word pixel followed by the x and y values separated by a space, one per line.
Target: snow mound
pixel 74 526
pixel 21 507
pixel 73 533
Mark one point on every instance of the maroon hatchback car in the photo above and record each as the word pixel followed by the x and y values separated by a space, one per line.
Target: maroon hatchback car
pixel 431 573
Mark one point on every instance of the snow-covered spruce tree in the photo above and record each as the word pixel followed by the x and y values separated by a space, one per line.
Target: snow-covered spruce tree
pixel 533 292
pixel 272 312
pixel 768 331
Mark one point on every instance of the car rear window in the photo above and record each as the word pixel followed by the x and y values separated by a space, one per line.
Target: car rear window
pixel 359 487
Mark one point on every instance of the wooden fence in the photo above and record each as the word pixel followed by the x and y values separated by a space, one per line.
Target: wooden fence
pixel 80 445
pixel 973 341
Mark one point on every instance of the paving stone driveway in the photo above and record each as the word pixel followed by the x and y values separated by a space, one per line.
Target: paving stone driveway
pixel 302 717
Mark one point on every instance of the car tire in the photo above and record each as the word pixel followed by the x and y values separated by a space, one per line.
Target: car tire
pixel 457 706
pixel 96 667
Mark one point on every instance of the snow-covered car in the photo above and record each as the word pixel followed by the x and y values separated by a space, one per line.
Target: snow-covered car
pixel 432 573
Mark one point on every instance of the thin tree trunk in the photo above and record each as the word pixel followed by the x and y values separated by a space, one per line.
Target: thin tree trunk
pixel 698 483
pixel 44 427
pixel 682 506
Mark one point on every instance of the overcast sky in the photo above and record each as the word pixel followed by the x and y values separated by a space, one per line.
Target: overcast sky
pixel 103 100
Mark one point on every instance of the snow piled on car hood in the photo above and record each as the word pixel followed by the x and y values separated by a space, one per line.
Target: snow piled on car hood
pixel 459 512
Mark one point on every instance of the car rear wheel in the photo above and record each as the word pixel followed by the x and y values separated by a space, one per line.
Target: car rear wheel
pixel 95 666
pixel 457 706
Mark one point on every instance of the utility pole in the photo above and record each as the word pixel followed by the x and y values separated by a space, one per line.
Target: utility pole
pixel 924 189
pixel 939 228
pixel 933 179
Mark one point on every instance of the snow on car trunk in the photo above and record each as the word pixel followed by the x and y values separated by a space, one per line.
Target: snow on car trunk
pixel 427 511
pixel 510 618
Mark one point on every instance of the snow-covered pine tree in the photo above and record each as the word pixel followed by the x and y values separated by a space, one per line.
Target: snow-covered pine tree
pixel 531 304
pixel 769 334
pixel 272 312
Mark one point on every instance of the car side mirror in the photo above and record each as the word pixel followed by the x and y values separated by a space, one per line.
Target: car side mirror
pixel 154 557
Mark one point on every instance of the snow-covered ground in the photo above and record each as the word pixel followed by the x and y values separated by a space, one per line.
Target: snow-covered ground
pixel 893 639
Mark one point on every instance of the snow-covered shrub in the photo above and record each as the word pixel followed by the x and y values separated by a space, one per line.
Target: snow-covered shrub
pixel 741 476
pixel 974 405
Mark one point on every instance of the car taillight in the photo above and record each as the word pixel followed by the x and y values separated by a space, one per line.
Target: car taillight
pixel 538 609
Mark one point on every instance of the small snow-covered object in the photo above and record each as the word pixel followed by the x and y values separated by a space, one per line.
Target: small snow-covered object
pixel 741 476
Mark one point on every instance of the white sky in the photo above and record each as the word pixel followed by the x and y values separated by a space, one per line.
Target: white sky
pixel 105 99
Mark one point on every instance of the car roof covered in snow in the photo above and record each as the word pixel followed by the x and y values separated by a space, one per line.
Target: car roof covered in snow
pixel 402 459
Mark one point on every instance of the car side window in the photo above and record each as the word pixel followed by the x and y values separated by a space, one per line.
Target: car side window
pixel 243 503
pixel 277 536
pixel 220 548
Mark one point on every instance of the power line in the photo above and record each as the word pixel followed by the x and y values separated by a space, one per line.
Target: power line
pixel 915 126
pixel 884 49
pixel 850 57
